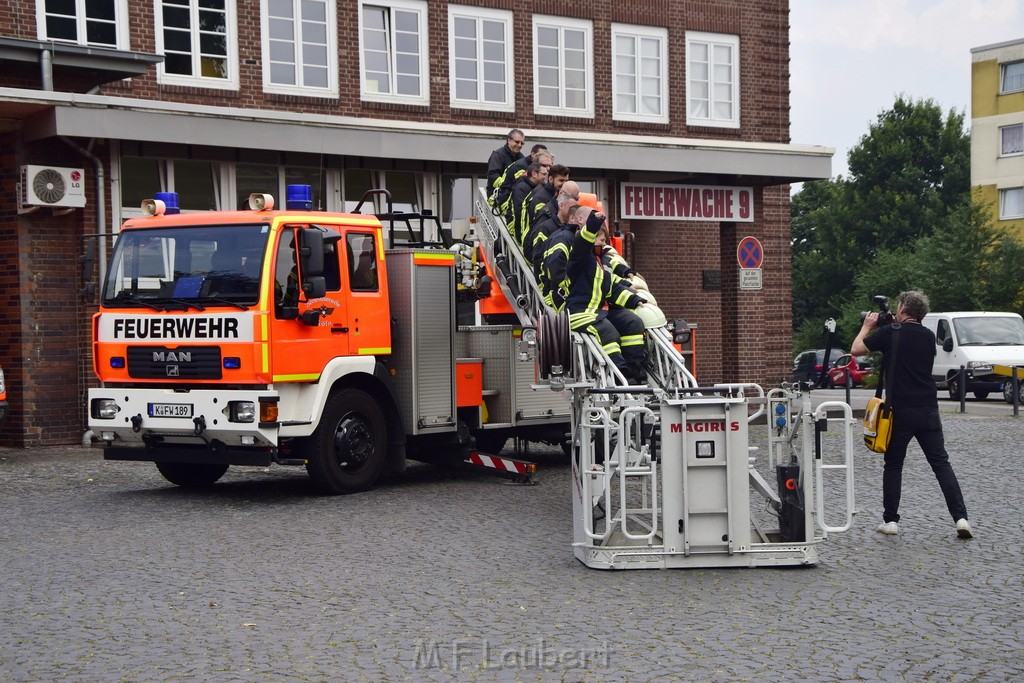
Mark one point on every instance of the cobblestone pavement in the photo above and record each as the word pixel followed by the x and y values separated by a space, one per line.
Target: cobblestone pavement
pixel 107 573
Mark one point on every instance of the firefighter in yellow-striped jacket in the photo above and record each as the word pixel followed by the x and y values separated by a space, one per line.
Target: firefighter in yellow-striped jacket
pixel 600 303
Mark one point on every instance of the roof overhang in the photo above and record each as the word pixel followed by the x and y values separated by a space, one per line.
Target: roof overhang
pixel 117 118
pixel 103 64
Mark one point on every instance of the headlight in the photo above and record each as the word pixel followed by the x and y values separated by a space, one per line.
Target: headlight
pixel 105 408
pixel 242 411
pixel 979 366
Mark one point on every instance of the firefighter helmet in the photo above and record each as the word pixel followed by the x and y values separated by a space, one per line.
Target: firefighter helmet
pixel 639 282
pixel 646 296
pixel 651 315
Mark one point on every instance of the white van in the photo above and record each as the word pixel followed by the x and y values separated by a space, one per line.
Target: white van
pixel 977 340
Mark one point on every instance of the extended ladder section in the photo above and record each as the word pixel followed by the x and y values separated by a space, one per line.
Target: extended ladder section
pixel 666 366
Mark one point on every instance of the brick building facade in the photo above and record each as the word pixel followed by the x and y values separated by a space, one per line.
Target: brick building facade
pixel 221 98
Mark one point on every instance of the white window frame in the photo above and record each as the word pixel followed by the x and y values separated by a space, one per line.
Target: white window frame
pixel 1003 130
pixel 479 15
pixel 713 40
pixel 561 24
pixel 1002 77
pixel 420 8
pixel 1003 215
pixel 229 82
pixel 121 25
pixel 331 24
pixel 638 34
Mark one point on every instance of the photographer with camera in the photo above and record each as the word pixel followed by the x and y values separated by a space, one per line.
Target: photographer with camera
pixel 914 403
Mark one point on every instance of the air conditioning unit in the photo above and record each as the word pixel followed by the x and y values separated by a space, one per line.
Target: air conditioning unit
pixel 52 186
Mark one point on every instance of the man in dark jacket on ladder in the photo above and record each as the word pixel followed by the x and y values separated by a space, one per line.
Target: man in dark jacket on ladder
pixel 504 156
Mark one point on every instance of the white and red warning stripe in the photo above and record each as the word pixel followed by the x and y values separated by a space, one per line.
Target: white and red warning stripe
pixel 502 464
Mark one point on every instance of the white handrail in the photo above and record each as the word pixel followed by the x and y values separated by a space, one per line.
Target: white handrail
pixel 821 412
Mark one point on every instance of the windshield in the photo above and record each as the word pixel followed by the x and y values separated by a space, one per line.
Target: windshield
pixel 989 331
pixel 186 267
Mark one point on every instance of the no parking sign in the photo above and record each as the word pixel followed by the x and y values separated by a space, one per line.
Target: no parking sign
pixel 750 255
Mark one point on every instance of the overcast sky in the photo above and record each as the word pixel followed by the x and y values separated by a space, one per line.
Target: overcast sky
pixel 851 58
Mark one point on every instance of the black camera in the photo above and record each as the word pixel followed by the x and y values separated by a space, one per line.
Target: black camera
pixel 885 316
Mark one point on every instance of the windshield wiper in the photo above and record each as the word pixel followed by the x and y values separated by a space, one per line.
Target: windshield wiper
pixel 124 297
pixel 186 304
pixel 241 307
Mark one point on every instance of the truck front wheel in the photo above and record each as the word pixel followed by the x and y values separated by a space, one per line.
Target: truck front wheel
pixel 191 475
pixel 347 449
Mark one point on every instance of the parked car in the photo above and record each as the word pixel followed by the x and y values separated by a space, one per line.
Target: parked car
pixel 3 397
pixel 807 365
pixel 859 367
pixel 976 340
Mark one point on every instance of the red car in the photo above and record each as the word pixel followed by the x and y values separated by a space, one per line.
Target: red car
pixel 859 367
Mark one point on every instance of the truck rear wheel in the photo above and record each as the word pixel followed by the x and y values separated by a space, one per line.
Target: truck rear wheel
pixel 347 450
pixel 492 442
pixel 191 475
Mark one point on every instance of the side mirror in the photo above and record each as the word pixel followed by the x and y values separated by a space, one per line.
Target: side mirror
pixel 314 287
pixel 312 251
pixel 947 345
pixel 88 260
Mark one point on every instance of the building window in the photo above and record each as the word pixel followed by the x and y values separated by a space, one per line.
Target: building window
pixel 300 53
pixel 198 41
pixel 393 51
pixel 563 78
pixel 1011 203
pixel 1011 140
pixel 713 80
pixel 639 73
pixel 480 58
pixel 1012 77
pixel 85 22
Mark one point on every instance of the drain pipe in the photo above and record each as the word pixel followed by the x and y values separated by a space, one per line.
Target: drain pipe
pixel 46 69
pixel 101 201
pixel 101 220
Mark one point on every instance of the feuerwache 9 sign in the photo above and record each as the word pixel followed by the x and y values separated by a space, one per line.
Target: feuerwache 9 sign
pixel 687 202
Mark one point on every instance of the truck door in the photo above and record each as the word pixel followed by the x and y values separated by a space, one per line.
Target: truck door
pixel 306 333
pixel 368 312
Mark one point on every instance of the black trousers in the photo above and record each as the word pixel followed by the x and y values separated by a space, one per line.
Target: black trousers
pixel 925 425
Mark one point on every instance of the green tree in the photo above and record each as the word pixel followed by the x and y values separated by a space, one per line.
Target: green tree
pixel 907 175
pixel 965 264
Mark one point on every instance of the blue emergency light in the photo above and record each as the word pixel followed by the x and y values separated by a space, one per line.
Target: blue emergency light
pixel 299 197
pixel 170 200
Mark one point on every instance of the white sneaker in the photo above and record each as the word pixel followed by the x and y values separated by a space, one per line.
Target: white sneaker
pixel 963 529
pixel 888 528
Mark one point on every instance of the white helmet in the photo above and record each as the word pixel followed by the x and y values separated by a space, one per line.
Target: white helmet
pixel 639 282
pixel 647 297
pixel 651 315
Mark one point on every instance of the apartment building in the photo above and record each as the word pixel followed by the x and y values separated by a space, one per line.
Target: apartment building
pixel 216 99
pixel 997 131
